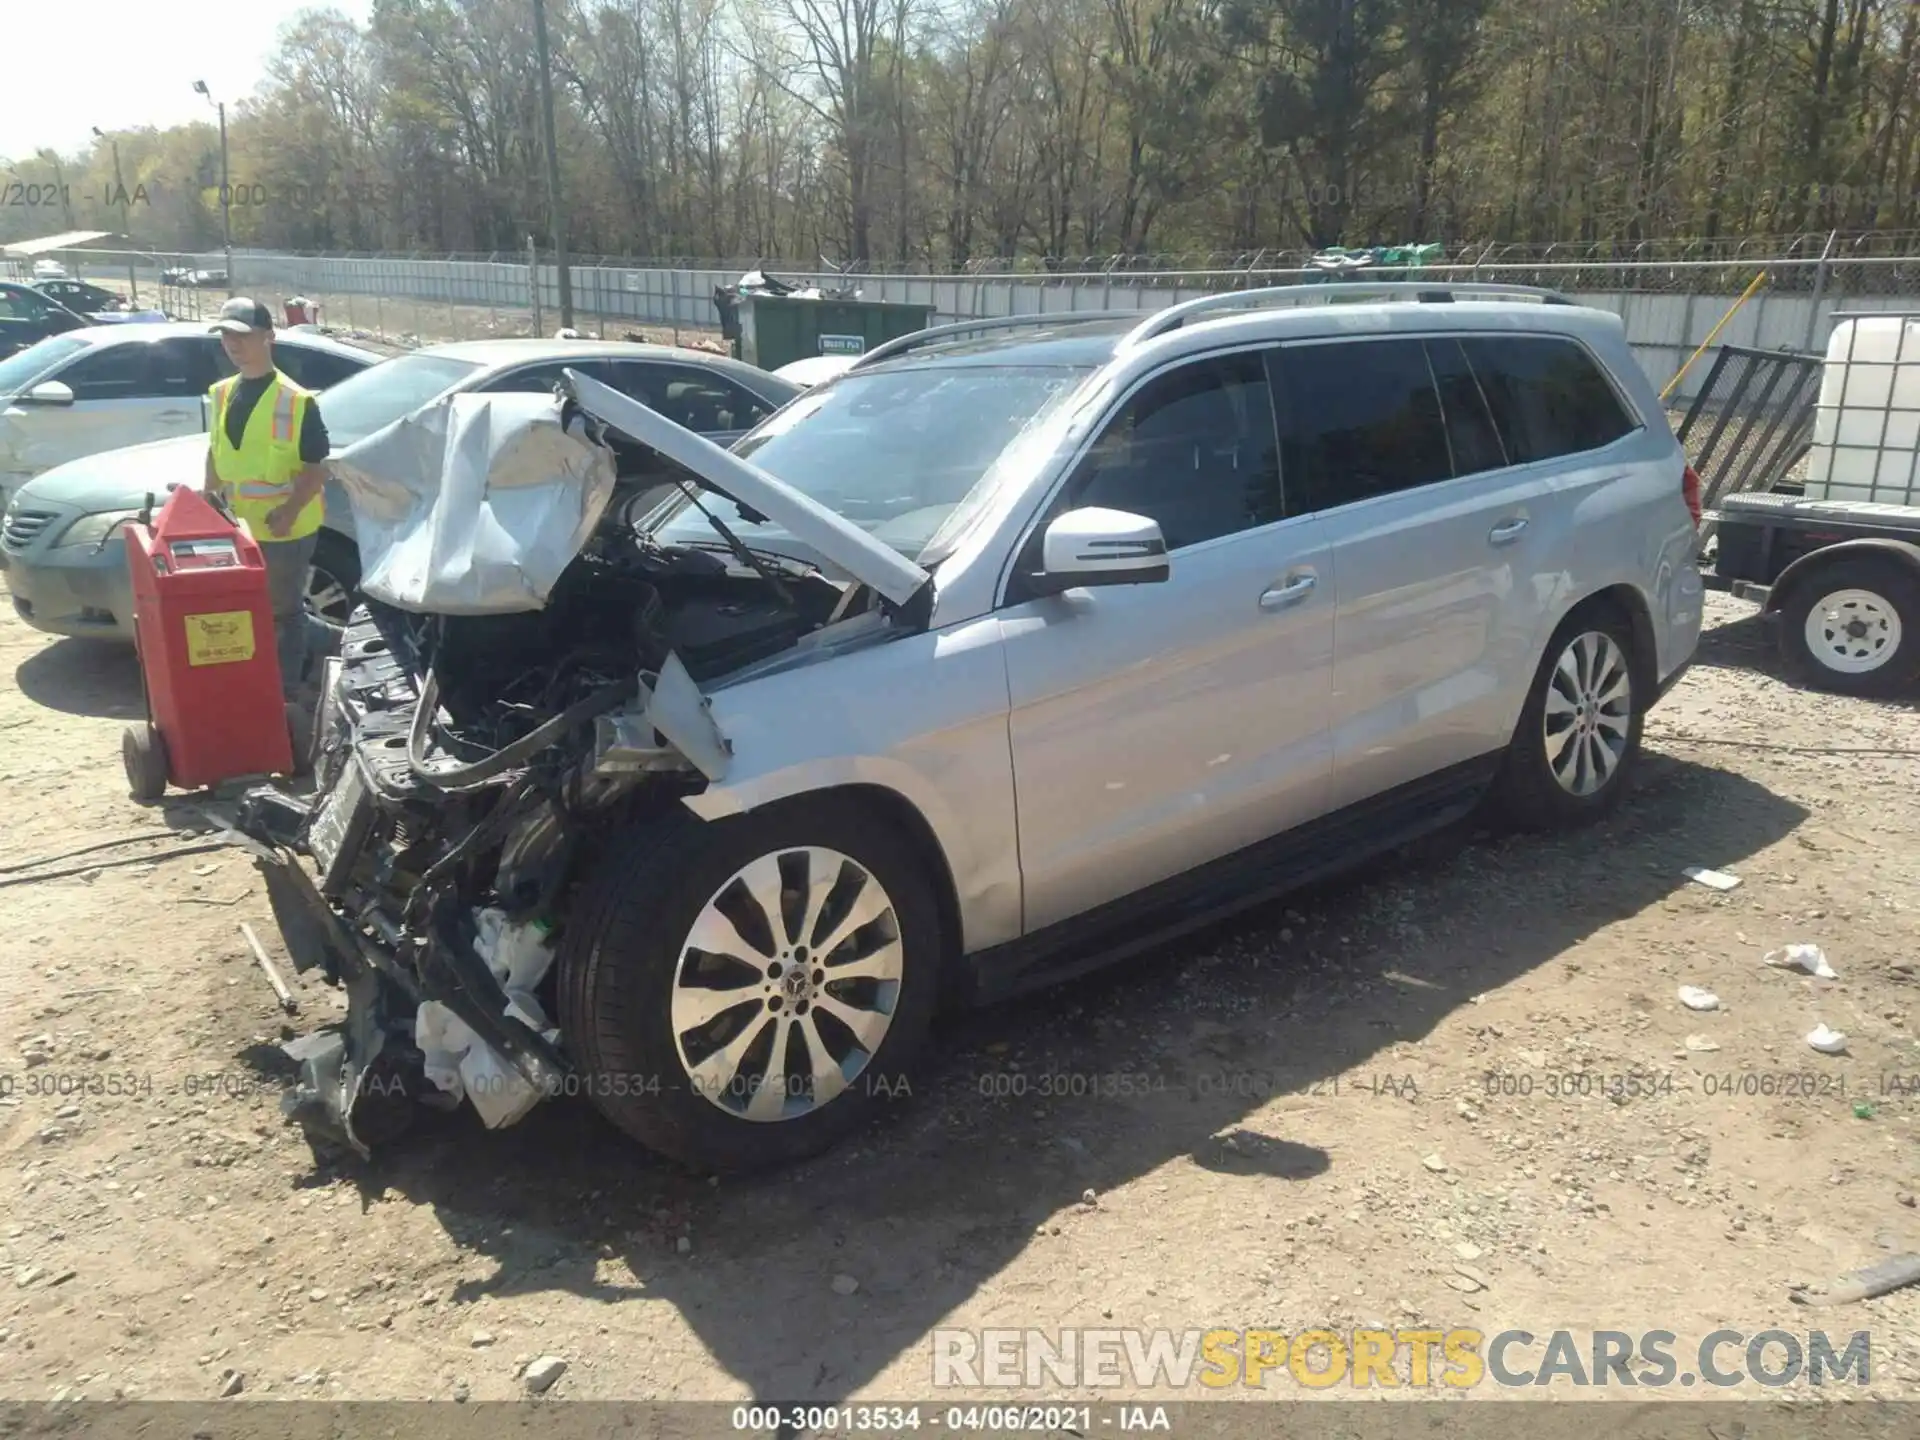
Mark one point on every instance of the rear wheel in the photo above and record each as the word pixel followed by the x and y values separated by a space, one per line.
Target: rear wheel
pixel 1853 626
pixel 1578 740
pixel 746 992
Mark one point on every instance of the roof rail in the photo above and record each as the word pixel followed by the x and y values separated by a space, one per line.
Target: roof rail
pixel 1427 292
pixel 934 333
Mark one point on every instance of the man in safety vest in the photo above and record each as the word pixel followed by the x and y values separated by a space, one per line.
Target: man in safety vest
pixel 267 457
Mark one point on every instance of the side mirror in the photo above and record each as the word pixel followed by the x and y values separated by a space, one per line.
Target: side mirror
pixel 48 392
pixel 1095 546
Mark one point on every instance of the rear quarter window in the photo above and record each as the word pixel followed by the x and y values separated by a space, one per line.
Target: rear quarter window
pixel 1548 396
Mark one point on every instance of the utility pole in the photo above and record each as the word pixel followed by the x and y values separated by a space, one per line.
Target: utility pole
pixel 119 185
pixel 226 190
pixel 126 211
pixel 556 217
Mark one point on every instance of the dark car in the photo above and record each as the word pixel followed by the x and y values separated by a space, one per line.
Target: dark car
pixel 27 317
pixel 80 297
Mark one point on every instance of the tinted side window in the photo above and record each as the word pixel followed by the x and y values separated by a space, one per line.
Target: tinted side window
pixel 183 367
pixel 538 379
pixel 694 399
pixel 1470 429
pixel 1359 419
pixel 115 372
pixel 1547 395
pixel 315 369
pixel 1194 449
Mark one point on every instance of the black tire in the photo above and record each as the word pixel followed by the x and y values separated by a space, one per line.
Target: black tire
pixel 1527 795
pixel 1895 587
pixel 143 751
pixel 620 956
pixel 335 558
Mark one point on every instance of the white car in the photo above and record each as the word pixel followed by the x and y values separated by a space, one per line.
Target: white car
pixel 109 386
pixel 49 270
pixel 816 370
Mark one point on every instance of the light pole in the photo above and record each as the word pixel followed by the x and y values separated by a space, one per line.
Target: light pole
pixel 226 191
pixel 119 185
pixel 556 215
pixel 121 199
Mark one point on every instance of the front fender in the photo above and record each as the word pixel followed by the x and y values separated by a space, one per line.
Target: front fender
pixel 922 717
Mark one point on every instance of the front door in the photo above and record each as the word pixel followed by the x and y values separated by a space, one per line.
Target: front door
pixel 1156 727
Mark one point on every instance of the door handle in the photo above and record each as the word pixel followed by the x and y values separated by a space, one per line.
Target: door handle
pixel 1506 532
pixel 1291 593
pixel 173 415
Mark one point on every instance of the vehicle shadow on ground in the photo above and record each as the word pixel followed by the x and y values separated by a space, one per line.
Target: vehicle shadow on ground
pixel 1749 644
pixel 83 677
pixel 926 1209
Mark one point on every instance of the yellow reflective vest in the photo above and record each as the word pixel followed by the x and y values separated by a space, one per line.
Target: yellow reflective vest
pixel 258 476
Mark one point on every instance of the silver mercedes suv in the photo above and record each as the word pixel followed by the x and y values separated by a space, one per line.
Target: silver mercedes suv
pixel 1021 646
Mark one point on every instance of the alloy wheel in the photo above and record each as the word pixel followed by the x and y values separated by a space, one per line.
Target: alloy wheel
pixel 787 984
pixel 1589 713
pixel 327 597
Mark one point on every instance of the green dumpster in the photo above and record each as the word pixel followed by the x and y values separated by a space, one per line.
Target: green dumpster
pixel 776 330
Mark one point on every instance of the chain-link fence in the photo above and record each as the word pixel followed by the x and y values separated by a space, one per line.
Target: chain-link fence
pixel 1670 297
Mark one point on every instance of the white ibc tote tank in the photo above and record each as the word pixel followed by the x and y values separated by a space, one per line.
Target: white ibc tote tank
pixel 1866 430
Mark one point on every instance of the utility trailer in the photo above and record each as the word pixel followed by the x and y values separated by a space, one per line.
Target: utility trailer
pixel 1836 566
pixel 1841 580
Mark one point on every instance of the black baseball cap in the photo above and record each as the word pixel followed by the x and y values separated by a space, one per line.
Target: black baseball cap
pixel 241 316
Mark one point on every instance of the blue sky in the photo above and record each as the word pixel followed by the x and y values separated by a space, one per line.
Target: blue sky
pixel 121 65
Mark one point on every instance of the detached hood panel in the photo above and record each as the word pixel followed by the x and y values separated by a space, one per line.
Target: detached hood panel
pixel 474 504
pixel 830 536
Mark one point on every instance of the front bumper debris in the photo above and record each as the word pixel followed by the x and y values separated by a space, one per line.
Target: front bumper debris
pixel 451 1026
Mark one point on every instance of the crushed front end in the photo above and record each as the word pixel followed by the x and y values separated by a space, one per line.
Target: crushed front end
pixel 472 753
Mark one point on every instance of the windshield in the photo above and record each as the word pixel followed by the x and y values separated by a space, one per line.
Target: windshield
pixel 381 394
pixel 894 452
pixel 22 368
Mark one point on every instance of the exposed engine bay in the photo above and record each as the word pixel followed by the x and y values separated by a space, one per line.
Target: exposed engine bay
pixel 464 768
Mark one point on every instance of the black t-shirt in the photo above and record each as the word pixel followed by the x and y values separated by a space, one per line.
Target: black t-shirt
pixel 314 444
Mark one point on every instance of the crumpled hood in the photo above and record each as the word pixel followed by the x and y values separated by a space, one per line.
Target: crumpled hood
pixel 829 535
pixel 122 479
pixel 474 504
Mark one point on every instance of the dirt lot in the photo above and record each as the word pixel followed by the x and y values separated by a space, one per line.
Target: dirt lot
pixel 1312 1118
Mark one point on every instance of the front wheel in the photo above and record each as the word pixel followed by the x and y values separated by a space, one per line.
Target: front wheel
pixel 333 576
pixel 1853 627
pixel 746 992
pixel 1578 740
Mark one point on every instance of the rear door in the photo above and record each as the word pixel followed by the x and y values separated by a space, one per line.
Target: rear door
pixel 1157 727
pixel 181 372
pixel 1438 551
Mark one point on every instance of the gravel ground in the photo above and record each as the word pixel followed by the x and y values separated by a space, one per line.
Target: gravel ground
pixel 1363 1106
